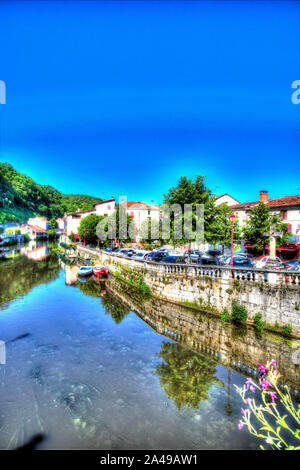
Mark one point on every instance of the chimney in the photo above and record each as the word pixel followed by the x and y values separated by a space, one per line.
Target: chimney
pixel 263 196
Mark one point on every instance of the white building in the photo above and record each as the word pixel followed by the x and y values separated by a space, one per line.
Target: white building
pixel 289 209
pixel 225 198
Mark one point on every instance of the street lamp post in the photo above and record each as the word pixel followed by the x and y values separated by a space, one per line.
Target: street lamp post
pixel 232 217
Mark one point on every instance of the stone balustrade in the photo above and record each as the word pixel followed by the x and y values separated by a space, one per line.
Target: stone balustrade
pixel 273 277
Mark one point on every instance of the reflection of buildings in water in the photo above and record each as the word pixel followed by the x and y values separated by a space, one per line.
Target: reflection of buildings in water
pixel 71 271
pixel 204 333
pixel 35 252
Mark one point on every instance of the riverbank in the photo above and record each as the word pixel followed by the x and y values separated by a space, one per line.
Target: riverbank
pixel 274 294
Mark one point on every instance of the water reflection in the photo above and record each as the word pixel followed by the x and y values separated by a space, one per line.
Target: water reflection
pixel 186 376
pixel 19 275
pixel 240 348
pixel 161 379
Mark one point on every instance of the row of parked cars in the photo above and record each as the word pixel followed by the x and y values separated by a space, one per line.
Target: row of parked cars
pixel 212 257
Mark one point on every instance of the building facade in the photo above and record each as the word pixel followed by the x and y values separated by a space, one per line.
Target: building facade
pixel 288 207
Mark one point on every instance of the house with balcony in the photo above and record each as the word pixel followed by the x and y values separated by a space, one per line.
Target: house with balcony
pixel 288 207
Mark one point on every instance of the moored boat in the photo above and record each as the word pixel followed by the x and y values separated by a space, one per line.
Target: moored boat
pixel 100 270
pixel 85 270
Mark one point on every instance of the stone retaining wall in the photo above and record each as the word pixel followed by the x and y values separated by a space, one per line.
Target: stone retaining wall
pixel 273 294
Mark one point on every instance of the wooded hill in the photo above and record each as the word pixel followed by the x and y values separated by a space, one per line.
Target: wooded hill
pixel 21 197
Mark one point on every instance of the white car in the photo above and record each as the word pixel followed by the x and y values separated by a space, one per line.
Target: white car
pixel 261 263
pixel 140 255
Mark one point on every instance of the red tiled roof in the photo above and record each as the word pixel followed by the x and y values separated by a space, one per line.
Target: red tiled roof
pixel 138 205
pixel 37 229
pixel 286 201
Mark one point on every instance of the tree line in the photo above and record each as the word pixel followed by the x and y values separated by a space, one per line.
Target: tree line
pixel 21 197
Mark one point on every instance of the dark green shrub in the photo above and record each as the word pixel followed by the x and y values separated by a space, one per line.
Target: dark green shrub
pixel 239 313
pixel 287 329
pixel 143 287
pixel 259 325
pixel 225 317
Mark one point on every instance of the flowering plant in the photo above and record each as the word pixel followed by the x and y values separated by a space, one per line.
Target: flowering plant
pixel 272 398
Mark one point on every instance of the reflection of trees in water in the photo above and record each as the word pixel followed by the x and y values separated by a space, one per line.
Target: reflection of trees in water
pixel 90 287
pixel 115 308
pixel 19 275
pixel 185 375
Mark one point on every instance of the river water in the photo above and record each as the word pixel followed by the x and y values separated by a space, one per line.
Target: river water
pixel 87 371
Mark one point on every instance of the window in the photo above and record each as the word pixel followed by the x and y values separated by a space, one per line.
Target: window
pixel 284 215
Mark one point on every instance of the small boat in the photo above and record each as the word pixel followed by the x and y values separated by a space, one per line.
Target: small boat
pixel 100 270
pixel 85 270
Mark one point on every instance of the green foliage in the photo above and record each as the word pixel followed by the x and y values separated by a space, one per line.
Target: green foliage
pixel 287 329
pixel 239 313
pixel 12 231
pixel 26 237
pixel 21 198
pixel 259 325
pixel 72 237
pixel 259 222
pixel 143 287
pixel 51 233
pixel 87 228
pixel 225 316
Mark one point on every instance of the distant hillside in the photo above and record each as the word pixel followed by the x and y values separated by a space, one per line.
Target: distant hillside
pixel 21 198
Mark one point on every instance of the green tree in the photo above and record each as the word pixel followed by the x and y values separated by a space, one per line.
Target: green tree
pixel 185 375
pixel 112 226
pixel 219 229
pixel 87 228
pixel 53 223
pixel 194 193
pixel 260 220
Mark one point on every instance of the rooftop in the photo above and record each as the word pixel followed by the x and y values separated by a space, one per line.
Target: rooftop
pixel 286 201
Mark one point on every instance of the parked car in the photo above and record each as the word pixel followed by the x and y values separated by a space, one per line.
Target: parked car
pixel 241 262
pixel 131 252
pixel 293 265
pixel 174 259
pixel 195 254
pixel 206 259
pixel 140 255
pixel 155 256
pixel 115 249
pixel 262 260
pixel 214 253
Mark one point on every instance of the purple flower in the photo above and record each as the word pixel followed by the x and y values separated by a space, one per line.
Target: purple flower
pixel 252 389
pixel 264 384
pixel 241 424
pixel 273 363
pixel 262 368
pixel 273 396
pixel 248 382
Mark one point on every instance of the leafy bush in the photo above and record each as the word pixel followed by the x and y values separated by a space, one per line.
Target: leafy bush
pixel 225 317
pixel 143 287
pixel 259 325
pixel 287 329
pixel 239 313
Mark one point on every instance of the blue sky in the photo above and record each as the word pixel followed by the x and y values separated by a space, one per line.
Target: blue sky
pixel 105 98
